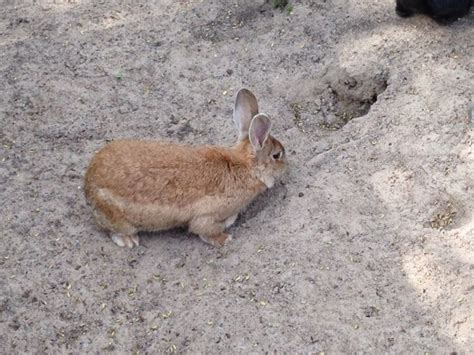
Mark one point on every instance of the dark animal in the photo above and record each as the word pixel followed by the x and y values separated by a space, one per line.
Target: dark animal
pixel 443 11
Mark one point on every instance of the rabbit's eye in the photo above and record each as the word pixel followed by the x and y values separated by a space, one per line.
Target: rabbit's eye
pixel 277 156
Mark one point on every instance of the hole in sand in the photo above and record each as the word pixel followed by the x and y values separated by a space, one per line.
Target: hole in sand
pixel 342 98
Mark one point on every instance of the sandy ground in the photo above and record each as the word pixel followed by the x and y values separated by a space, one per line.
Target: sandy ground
pixel 367 245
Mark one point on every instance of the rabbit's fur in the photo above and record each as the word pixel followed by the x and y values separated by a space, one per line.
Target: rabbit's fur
pixel 443 11
pixel 142 185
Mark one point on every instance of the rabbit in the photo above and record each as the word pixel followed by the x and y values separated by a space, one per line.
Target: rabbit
pixel 443 11
pixel 145 185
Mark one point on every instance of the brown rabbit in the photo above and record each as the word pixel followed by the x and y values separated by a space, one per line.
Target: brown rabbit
pixel 143 185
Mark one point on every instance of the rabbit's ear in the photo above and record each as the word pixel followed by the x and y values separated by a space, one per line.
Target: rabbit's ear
pixel 246 107
pixel 259 131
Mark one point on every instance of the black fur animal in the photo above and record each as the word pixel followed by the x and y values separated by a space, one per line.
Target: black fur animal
pixel 443 11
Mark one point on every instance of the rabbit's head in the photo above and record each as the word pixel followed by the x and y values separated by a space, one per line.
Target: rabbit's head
pixel 267 153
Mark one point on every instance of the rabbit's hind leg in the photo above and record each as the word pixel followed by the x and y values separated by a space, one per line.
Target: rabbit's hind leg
pixel 109 214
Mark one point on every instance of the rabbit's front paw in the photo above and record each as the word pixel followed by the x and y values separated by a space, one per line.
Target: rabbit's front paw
pixel 231 220
pixel 218 240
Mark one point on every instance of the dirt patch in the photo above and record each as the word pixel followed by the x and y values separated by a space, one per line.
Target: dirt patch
pixel 230 22
pixel 446 216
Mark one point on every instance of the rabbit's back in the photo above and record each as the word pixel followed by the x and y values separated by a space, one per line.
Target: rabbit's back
pixel 163 174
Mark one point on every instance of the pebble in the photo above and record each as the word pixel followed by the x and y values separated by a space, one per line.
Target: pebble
pixel 471 114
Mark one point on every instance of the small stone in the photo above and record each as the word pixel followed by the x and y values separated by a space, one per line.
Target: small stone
pixel 471 114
